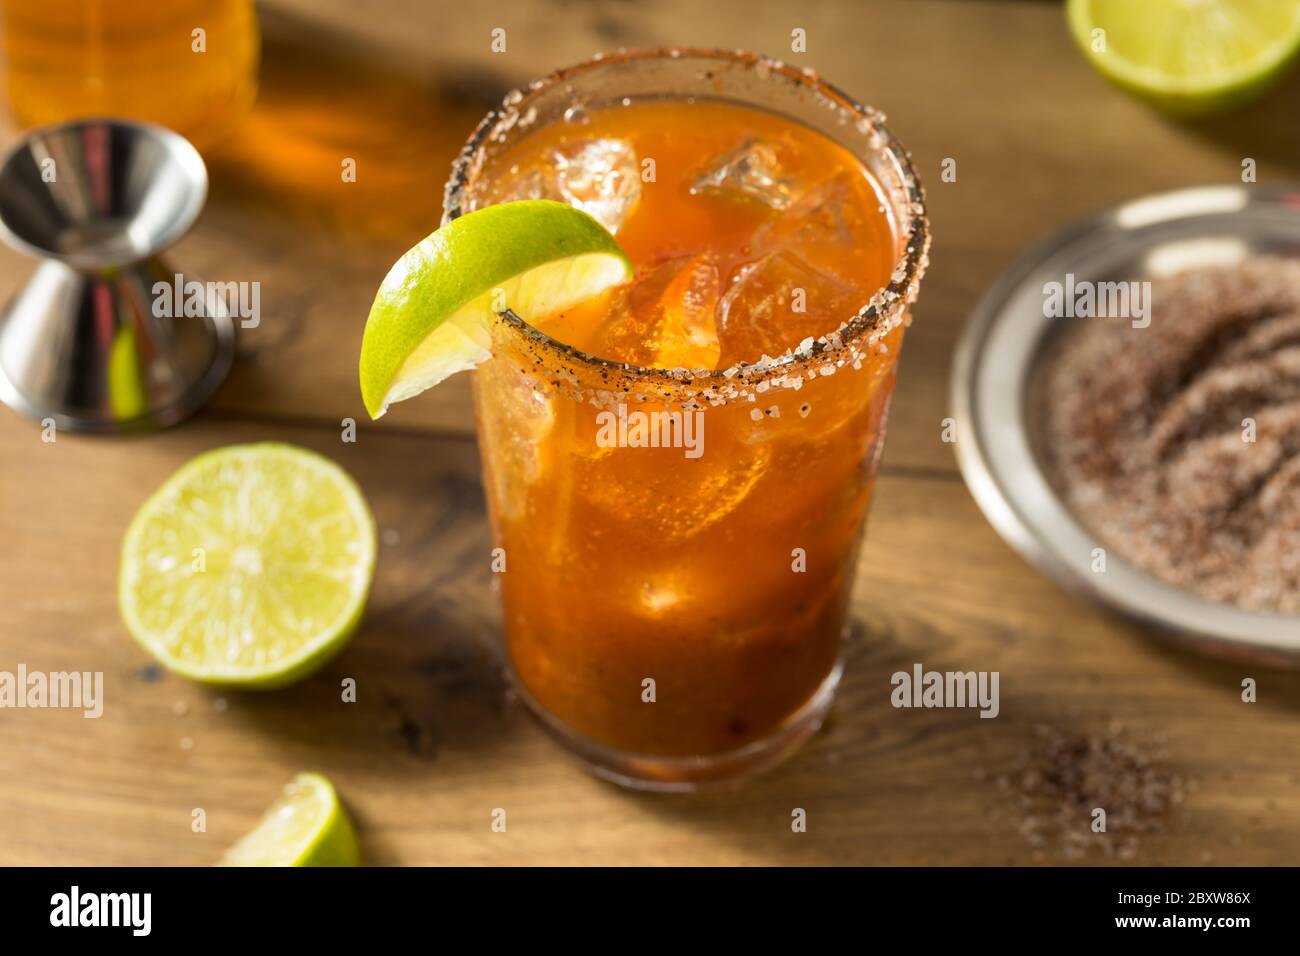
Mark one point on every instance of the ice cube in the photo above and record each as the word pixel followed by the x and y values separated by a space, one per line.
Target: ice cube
pixel 665 318
pixel 661 497
pixel 688 332
pixel 775 302
pixel 628 333
pixel 829 227
pixel 750 171
pixel 600 177
pixel 820 215
pixel 529 183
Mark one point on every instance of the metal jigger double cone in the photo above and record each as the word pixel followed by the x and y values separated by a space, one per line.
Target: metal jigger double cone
pixel 96 201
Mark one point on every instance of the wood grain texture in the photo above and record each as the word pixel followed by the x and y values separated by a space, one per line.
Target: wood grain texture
pixel 433 744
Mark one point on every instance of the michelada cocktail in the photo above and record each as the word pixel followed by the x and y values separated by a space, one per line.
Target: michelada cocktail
pixel 679 462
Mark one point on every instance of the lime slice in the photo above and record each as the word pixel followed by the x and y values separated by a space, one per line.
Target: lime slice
pixel 431 317
pixel 250 566
pixel 1189 56
pixel 306 826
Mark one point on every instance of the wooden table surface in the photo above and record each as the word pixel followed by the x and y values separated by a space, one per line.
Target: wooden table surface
pixel 433 745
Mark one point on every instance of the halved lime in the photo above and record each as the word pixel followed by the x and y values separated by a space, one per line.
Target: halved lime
pixel 306 826
pixel 1189 56
pixel 250 566
pixel 431 317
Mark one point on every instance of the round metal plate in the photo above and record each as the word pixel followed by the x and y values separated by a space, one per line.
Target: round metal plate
pixel 993 383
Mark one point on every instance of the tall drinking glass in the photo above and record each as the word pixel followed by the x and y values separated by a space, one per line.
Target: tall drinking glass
pixel 673 614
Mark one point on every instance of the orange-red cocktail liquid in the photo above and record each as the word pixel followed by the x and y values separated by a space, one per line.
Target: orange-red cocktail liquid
pixel 655 602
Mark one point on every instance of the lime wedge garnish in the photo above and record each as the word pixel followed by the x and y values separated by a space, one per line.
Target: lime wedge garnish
pixel 431 317
pixel 1189 56
pixel 306 826
pixel 250 566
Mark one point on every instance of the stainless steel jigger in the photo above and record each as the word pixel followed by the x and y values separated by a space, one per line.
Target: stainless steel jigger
pixel 96 201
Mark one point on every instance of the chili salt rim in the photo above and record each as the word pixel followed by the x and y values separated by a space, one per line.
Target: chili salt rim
pixel 848 343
